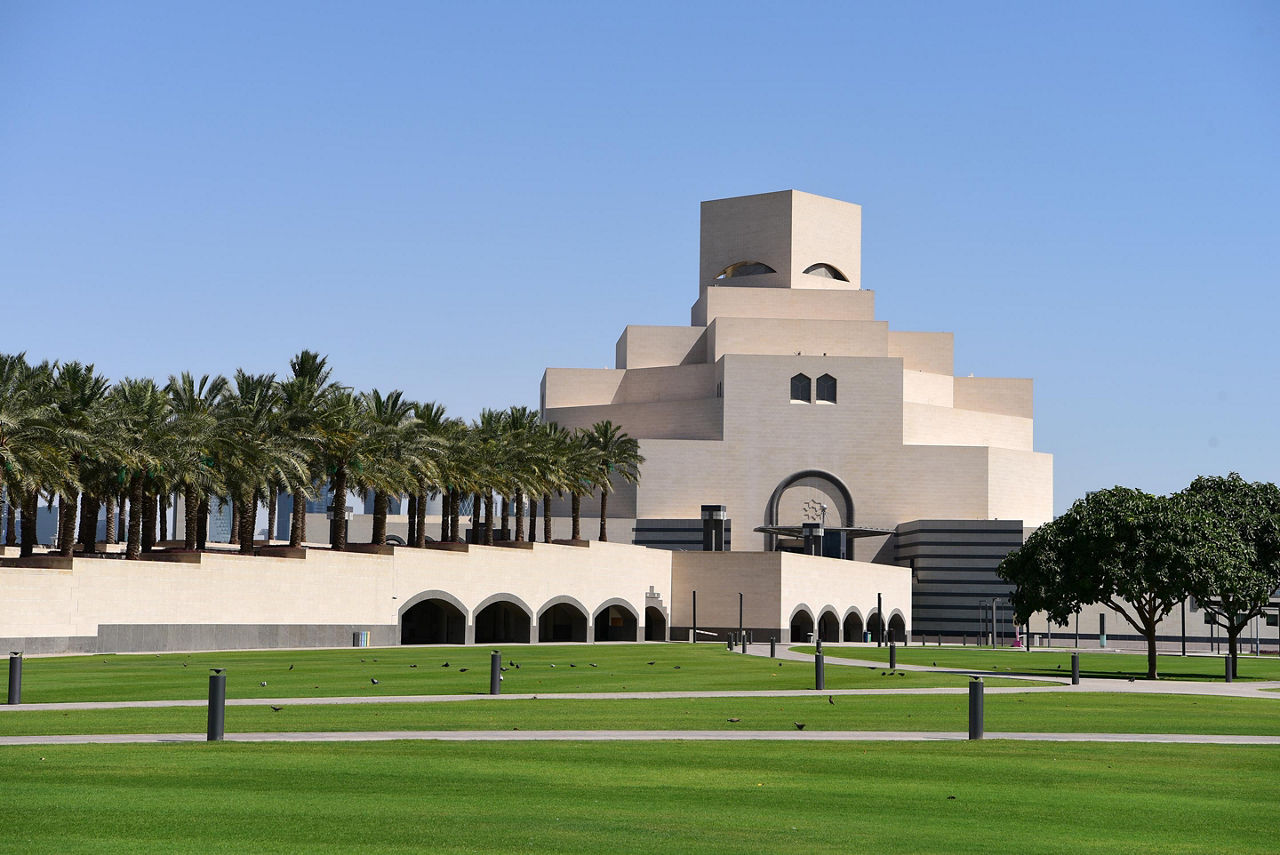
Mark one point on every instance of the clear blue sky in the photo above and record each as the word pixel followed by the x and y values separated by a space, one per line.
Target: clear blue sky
pixel 446 198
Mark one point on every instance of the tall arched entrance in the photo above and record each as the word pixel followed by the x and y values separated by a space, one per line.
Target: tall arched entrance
pixel 875 627
pixel 801 627
pixel 853 627
pixel 562 622
pixel 811 496
pixel 502 622
pixel 897 629
pixel 829 627
pixel 616 623
pixel 433 621
pixel 655 624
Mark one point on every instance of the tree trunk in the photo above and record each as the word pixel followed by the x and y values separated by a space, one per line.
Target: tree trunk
pixel 110 534
pixel 604 505
pixel 30 506
pixel 575 510
pixel 546 517
pixel 421 521
pixel 11 523
pixel 248 521
pixel 234 538
pixel 533 519
pixel 477 518
pixel 271 515
pixel 455 506
pixel 122 521
pixel 162 515
pixel 298 520
pixel 339 542
pixel 148 523
pixel 412 538
pixel 446 516
pixel 133 550
pixel 191 515
pixel 488 519
pixel 1233 645
pixel 67 523
pixel 380 505
pixel 519 506
pixel 202 524
pixel 504 528
pixel 89 512
pixel 1149 630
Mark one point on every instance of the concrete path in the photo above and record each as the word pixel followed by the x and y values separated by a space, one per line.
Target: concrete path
pixel 639 736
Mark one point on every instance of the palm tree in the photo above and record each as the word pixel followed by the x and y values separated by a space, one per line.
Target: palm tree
pixel 391 453
pixel 142 411
pixel 32 454
pixel 617 455
pixel 431 447
pixel 77 396
pixel 344 445
pixel 301 403
pixel 197 437
pixel 523 464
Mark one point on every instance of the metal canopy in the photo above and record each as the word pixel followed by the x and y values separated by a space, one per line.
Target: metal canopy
pixel 798 530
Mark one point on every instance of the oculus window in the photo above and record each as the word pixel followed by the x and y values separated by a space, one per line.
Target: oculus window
pixel 826 389
pixel 801 388
pixel 745 268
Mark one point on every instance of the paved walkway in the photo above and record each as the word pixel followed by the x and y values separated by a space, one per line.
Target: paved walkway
pixel 639 736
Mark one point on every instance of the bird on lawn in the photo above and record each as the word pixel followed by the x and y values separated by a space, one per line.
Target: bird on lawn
pixel 935 664
pixel 735 720
pixel 799 725
pixel 553 664
pixel 1131 679
pixel 290 667
pixel 677 667
pixel 373 680
pixel 413 665
pixel 275 708
pixel 593 665
pixel 500 668
pixel 263 684
pixel 445 665
pixel 648 663
pixel 517 665
pixel 831 700
pixel 463 670
pixel 571 665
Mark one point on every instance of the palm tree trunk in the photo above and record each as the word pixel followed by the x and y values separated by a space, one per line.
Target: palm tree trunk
pixel 148 523
pixel 11 523
pixel 519 507
pixel 505 525
pixel 604 504
pixel 234 539
pixel 488 519
pixel 122 521
pixel 133 550
pixel 271 515
pixel 162 516
pixel 412 539
pixel 546 517
pixel 455 505
pixel 110 503
pixel 202 524
pixel 191 515
pixel 339 542
pixel 89 513
pixel 477 518
pixel 67 523
pixel 248 520
pixel 380 505
pixel 575 508
pixel 30 505
pixel 533 519
pixel 298 520
pixel 421 521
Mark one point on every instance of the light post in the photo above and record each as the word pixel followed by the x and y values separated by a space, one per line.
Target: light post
pixel 880 617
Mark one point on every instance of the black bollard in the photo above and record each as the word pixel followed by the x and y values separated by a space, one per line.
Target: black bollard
pixel 773 647
pixel 893 656
pixel 495 672
pixel 1075 669
pixel 728 642
pixel 1227 661
pixel 818 643
pixel 819 673
pixel 15 676
pixel 975 709
pixel 744 642
pixel 217 704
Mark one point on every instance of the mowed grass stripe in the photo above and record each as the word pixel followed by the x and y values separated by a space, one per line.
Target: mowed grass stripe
pixel 641 798
pixel 1057 663
pixel 1035 712
pixel 422 671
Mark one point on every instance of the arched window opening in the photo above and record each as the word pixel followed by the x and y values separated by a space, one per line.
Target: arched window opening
pixel 562 622
pixel 615 623
pixel 745 268
pixel 801 627
pixel 897 630
pixel 826 271
pixel 433 621
pixel 827 389
pixel 501 623
pixel 853 627
pixel 801 388
pixel 828 627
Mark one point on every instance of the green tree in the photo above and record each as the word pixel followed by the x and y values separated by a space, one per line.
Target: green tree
pixel 1237 587
pixel 302 401
pixel 142 411
pixel 197 437
pixel 616 458
pixel 32 454
pixel 1123 548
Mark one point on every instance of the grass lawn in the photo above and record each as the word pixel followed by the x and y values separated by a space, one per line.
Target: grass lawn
pixel 641 797
pixel 1057 663
pixel 1057 712
pixel 420 671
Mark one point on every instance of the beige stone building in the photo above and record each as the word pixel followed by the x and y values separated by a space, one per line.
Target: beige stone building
pixel 787 401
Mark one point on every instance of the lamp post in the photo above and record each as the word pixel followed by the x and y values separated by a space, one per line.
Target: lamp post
pixel 880 617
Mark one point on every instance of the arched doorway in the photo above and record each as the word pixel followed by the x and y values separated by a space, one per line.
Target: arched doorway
pixel 853 627
pixel 875 627
pixel 616 623
pixel 801 627
pixel 433 621
pixel 897 629
pixel 811 495
pixel 502 622
pixel 829 627
pixel 655 624
pixel 562 622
